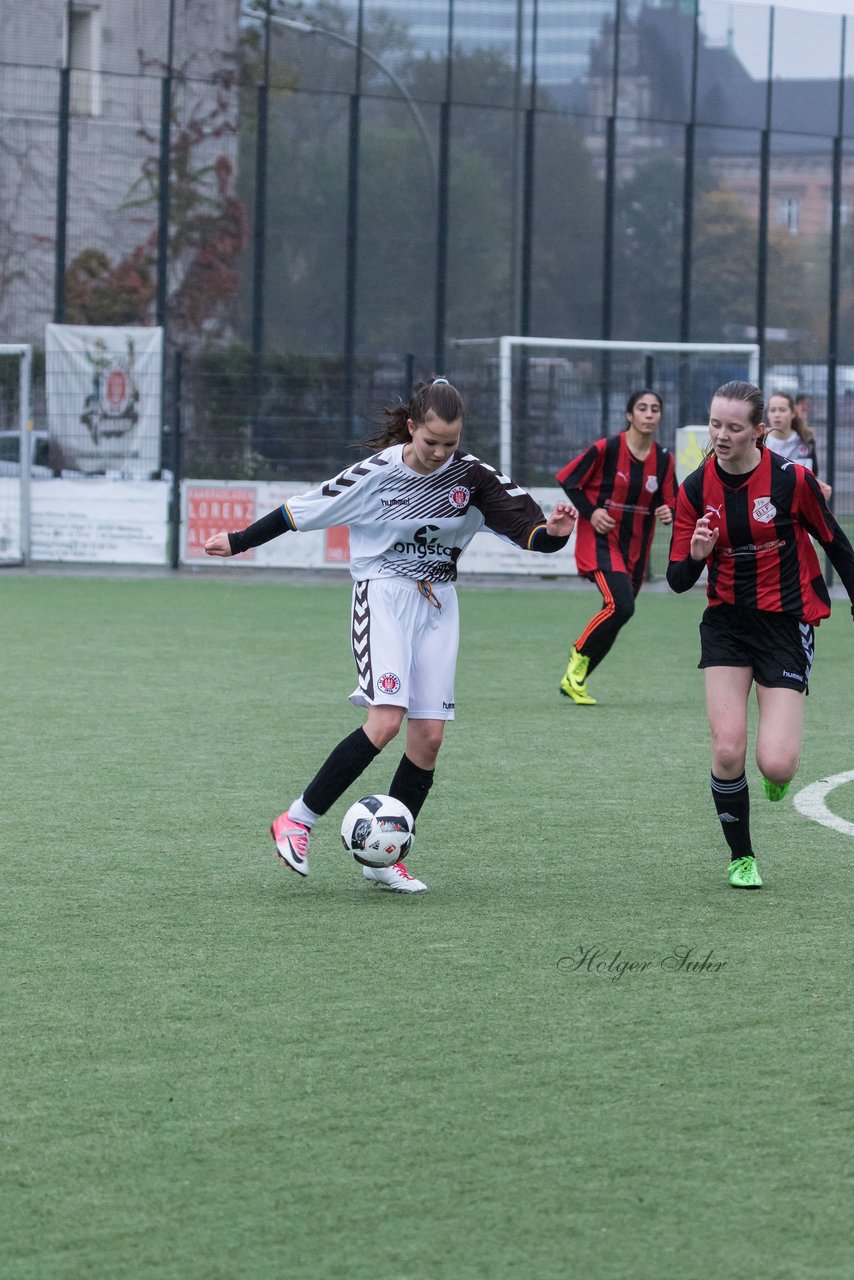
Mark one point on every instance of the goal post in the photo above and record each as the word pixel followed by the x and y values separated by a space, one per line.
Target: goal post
pixel 15 465
pixel 550 396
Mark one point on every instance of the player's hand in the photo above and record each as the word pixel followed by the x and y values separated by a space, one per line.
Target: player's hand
pixel 663 514
pixel 218 545
pixel 601 521
pixel 826 491
pixel 703 539
pixel 561 522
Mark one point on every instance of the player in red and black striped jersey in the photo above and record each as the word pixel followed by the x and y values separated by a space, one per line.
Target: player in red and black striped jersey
pixel 748 516
pixel 620 486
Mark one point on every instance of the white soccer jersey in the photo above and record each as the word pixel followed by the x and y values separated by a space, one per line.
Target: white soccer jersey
pixel 404 524
pixel 793 448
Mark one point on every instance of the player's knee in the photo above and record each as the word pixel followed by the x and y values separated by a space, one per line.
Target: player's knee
pixel 384 728
pixel 429 740
pixel 624 611
pixel 728 754
pixel 779 765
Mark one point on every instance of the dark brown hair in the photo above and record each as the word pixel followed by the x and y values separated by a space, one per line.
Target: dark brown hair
pixel 640 395
pixel 437 394
pixel 806 434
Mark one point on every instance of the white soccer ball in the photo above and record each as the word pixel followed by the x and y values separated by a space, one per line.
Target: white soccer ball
pixel 378 831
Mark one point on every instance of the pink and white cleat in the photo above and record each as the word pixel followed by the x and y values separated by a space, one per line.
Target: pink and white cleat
pixel 395 878
pixel 291 840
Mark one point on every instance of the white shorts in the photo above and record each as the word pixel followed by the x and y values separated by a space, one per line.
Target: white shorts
pixel 405 646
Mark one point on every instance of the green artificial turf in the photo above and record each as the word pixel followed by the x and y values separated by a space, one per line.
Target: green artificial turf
pixel 211 1068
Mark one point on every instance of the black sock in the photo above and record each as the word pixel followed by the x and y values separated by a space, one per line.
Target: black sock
pixel 732 801
pixel 341 768
pixel 411 784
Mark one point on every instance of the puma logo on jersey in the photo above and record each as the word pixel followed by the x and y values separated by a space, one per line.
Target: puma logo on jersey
pixel 715 510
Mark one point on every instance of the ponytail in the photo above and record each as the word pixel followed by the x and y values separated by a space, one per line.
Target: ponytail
pixel 437 394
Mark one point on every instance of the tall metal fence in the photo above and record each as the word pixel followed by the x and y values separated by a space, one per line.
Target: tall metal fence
pixel 315 202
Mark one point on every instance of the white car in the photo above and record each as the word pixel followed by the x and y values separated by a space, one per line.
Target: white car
pixel 10 454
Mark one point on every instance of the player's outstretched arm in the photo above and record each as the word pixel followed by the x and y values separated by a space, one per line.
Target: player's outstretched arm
pixel 255 535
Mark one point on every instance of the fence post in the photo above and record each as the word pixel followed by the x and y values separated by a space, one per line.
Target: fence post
pixel 764 196
pixel 259 246
pixel 62 195
pixel 163 169
pixel 259 225
pixel 352 262
pixel 176 461
pixel 441 299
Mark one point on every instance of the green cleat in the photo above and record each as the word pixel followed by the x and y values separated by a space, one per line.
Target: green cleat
pixel 572 684
pixel 775 790
pixel 744 873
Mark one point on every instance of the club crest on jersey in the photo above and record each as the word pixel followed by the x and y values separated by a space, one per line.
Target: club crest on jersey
pixel 651 484
pixel 389 683
pixel 764 510
pixel 459 496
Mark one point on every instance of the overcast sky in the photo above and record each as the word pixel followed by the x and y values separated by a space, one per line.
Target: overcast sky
pixel 807 35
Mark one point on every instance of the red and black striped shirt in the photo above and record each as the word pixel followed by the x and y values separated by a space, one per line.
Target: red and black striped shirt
pixel 763 558
pixel 609 475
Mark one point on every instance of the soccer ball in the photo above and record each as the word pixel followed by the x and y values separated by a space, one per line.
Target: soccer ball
pixel 378 831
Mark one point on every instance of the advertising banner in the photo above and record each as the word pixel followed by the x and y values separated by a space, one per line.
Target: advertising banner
pixel 104 393
pixel 100 521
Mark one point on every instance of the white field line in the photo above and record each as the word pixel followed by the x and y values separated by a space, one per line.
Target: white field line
pixel 811 801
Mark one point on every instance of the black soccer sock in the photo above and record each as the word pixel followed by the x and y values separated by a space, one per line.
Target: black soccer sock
pixel 341 768
pixel 732 801
pixel 411 784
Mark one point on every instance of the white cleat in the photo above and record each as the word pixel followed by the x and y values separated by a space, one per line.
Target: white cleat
pixel 396 878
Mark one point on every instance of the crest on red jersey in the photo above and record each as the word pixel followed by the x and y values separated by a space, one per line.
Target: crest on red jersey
pixel 764 510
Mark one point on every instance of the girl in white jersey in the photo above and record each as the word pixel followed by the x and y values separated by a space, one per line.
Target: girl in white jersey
pixel 412 508
pixel 789 436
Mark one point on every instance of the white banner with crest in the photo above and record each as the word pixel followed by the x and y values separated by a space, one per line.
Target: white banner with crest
pixel 104 394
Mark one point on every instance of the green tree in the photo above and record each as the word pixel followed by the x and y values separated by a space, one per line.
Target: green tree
pixel 648 251
pixel 206 236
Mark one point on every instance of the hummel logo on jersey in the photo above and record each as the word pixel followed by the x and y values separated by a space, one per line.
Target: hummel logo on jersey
pixel 793 675
pixel 394 502
pixel 716 510
pixel 764 510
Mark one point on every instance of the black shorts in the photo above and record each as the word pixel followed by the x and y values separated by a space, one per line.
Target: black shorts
pixel 777 647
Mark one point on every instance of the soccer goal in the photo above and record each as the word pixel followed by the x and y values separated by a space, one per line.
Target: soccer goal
pixel 15 451
pixel 535 402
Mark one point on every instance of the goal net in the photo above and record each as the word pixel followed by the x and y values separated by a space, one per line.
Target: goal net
pixel 15 451
pixel 534 403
